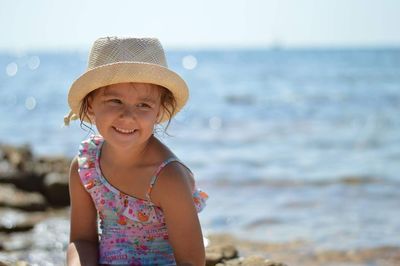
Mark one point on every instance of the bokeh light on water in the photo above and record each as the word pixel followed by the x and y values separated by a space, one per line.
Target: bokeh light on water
pixel 215 122
pixel 12 69
pixel 22 61
pixel 189 62
pixel 30 103
pixel 34 62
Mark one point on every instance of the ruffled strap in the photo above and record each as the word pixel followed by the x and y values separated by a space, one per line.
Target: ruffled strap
pixel 87 155
pixel 199 198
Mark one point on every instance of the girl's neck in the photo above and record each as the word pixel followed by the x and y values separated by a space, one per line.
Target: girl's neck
pixel 127 157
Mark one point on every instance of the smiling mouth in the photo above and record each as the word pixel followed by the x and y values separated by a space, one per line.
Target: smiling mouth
pixel 124 131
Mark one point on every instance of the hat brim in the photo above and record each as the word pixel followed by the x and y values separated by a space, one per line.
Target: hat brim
pixel 122 72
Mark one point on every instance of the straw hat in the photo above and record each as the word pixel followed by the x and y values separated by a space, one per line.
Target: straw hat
pixel 117 60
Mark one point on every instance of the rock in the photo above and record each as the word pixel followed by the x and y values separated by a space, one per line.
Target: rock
pixel 47 175
pixel 12 197
pixel 18 157
pixel 17 221
pixel 16 167
pixel 213 258
pixel 220 252
pixel 29 181
pixel 6 168
pixel 250 261
pixel 56 189
pixel 17 241
pixel 223 250
pixel 17 263
pixel 44 165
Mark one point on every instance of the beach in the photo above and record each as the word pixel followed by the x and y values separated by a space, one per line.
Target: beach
pixel 34 224
pixel 298 149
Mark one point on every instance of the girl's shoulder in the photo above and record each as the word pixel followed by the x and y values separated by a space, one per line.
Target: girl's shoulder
pixel 174 172
pixel 175 178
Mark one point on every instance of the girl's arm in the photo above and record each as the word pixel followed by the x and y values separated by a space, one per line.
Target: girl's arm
pixel 83 246
pixel 173 194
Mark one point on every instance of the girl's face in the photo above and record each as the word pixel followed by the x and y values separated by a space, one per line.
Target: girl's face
pixel 125 113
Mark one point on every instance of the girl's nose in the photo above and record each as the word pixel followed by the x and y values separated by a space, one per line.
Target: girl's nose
pixel 128 112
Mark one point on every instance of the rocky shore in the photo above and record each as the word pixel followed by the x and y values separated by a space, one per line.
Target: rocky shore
pixel 30 188
pixel 34 224
pixel 34 190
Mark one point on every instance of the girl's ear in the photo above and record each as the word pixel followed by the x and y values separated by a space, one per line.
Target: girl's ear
pixel 89 106
pixel 160 115
pixel 90 111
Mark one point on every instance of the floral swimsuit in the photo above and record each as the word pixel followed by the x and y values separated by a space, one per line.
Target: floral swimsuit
pixel 132 230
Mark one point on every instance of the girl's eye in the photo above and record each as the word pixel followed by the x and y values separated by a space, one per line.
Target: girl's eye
pixel 143 105
pixel 117 101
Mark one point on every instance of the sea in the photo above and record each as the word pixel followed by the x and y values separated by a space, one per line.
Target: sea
pixel 290 144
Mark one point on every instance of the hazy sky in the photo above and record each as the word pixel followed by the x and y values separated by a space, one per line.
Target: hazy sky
pixel 74 24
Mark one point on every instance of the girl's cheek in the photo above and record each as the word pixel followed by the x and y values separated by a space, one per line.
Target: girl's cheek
pixel 150 116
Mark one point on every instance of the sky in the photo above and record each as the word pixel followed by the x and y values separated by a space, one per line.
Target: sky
pixel 75 24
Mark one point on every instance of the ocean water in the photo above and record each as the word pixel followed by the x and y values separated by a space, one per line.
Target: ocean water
pixel 291 145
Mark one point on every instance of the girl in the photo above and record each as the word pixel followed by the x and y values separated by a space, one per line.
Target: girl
pixel 143 197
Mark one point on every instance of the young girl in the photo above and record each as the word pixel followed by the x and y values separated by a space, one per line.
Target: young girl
pixel 145 200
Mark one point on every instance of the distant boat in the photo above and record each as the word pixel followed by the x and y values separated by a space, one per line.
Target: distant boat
pixel 276 45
